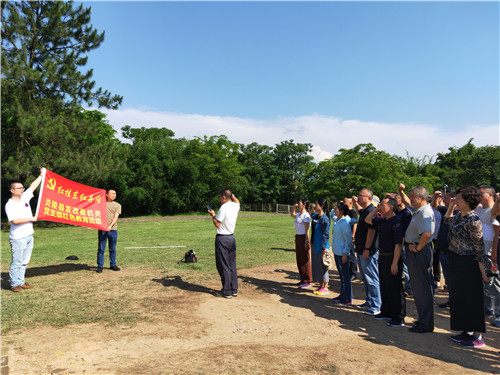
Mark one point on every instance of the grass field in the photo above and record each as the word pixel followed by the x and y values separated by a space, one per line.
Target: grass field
pixel 69 296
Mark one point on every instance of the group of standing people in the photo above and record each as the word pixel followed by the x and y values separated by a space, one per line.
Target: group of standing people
pixel 393 242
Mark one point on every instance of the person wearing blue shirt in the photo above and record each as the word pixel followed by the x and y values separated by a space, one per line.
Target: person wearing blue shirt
pixel 341 246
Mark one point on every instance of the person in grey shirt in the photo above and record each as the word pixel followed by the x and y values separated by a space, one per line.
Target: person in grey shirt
pixel 418 239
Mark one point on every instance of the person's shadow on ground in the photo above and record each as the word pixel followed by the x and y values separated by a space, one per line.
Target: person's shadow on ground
pixel 47 270
pixel 176 281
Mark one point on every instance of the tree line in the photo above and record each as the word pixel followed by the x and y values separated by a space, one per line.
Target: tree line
pixel 44 123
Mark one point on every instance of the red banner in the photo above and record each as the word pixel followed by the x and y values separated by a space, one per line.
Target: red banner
pixel 65 201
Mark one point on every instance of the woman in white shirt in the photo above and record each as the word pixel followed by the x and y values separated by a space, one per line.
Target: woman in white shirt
pixel 303 242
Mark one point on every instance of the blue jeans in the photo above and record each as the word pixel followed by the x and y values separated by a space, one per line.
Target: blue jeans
pixel 345 278
pixel 368 268
pixel 21 255
pixel 112 237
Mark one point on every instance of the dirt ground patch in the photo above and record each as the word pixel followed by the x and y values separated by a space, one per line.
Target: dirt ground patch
pixel 272 327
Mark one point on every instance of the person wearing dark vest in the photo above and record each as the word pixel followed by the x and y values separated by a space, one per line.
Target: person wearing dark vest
pixel 390 262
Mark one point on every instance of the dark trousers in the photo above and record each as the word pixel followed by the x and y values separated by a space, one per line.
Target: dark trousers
pixel 391 289
pixel 225 260
pixel 303 257
pixel 419 265
pixel 466 294
pixel 436 270
pixel 345 279
pixel 352 261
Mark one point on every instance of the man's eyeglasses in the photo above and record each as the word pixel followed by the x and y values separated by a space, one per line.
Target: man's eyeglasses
pixel 16 188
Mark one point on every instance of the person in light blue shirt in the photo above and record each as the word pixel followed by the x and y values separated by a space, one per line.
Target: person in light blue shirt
pixel 341 247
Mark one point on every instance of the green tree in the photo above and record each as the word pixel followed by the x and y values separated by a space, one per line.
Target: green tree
pixel 43 48
pixel 43 124
pixel 166 175
pixel 81 145
pixel 469 165
pixel 346 173
pixel 292 160
pixel 216 160
pixel 261 173
pixel 155 170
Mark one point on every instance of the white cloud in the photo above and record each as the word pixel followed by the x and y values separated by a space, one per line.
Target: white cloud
pixel 327 134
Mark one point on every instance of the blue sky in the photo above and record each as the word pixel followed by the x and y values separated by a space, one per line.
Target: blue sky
pixel 415 77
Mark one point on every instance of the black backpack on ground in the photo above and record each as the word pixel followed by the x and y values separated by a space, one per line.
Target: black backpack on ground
pixel 189 257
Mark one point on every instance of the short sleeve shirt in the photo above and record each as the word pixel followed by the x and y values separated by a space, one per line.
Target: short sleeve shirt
pixel 487 221
pixel 112 208
pixel 422 221
pixel 362 231
pixel 390 232
pixel 227 215
pixel 300 220
pixel 20 210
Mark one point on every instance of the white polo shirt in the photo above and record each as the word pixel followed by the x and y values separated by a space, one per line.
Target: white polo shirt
pixel 20 210
pixel 487 221
pixel 227 215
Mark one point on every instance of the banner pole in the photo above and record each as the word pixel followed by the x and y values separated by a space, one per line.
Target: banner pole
pixel 40 195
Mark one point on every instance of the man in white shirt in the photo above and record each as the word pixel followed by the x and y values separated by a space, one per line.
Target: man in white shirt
pixel 225 244
pixel 492 295
pixel 21 220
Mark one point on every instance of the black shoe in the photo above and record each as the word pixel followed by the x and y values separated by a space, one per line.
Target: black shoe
pixel 99 270
pixel 379 316
pixel 444 305
pixel 114 268
pixel 419 329
pixel 220 294
pixel 353 277
pixel 395 323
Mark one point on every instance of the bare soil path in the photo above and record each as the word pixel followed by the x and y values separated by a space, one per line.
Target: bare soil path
pixel 272 327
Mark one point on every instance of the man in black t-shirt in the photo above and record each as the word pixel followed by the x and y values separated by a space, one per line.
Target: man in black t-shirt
pixel 365 242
